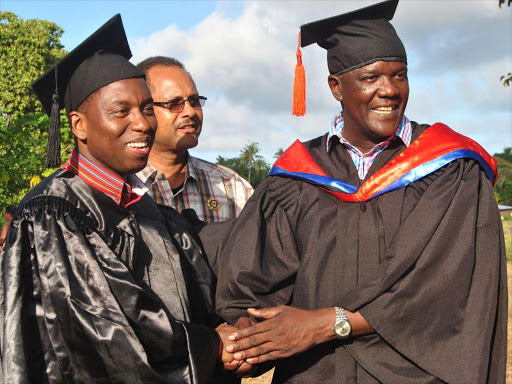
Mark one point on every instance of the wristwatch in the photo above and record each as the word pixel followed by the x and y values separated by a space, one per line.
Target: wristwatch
pixel 342 327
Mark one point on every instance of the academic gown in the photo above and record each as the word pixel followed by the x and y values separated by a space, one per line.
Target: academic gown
pixel 424 265
pixel 96 293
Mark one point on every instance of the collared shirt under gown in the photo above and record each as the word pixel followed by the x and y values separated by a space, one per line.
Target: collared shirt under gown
pixel 425 266
pixel 96 293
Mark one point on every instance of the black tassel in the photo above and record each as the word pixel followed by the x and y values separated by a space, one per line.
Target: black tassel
pixel 53 147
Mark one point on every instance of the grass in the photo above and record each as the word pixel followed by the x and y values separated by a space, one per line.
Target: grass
pixel 507 230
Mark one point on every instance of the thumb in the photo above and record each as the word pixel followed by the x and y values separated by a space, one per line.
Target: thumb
pixel 265 313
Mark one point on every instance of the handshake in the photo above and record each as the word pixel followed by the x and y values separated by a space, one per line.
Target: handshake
pixel 284 331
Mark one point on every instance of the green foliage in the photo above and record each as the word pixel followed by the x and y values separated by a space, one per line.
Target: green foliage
pixel 507 79
pixel 503 188
pixel 27 49
pixel 250 165
pixel 278 153
pixel 249 156
pixel 507 230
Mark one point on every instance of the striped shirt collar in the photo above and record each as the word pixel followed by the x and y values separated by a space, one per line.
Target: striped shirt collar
pixel 404 131
pixel 123 193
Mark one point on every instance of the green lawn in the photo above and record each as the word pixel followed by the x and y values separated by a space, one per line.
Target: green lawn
pixel 507 229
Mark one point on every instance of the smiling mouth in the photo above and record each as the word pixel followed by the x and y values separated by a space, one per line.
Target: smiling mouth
pixel 385 110
pixel 140 145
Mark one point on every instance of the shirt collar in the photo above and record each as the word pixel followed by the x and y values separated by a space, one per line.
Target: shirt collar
pixel 404 131
pixel 99 178
pixel 149 172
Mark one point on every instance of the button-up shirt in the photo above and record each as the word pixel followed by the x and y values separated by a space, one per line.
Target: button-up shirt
pixel 215 192
pixel 363 161
pixel 124 193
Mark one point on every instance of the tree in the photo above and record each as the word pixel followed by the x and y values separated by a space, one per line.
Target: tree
pixel 249 156
pixel 507 79
pixel 278 153
pixel 243 167
pixel 503 188
pixel 27 49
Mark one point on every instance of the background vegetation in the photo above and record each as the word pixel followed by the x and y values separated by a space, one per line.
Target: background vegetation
pixel 27 49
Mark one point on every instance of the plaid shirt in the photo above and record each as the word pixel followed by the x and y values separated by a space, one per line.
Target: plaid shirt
pixel 363 162
pixel 215 192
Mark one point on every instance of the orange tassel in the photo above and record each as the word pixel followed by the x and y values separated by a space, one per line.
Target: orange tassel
pixel 299 86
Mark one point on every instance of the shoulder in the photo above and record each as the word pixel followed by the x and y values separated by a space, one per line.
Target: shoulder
pixel 418 129
pixel 56 195
pixel 219 171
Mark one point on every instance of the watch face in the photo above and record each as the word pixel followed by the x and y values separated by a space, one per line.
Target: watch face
pixel 343 328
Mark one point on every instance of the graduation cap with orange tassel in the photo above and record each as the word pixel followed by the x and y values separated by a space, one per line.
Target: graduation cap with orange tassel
pixel 352 40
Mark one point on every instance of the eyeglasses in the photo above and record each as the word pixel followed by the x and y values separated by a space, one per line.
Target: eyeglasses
pixel 178 105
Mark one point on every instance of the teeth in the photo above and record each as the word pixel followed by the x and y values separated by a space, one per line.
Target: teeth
pixel 383 109
pixel 137 145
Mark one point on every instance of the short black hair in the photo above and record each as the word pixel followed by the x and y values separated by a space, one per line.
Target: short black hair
pixel 153 61
pixel 164 61
pixel 11 209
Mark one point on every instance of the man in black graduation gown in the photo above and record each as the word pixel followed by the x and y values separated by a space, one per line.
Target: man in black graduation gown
pixel 98 284
pixel 360 283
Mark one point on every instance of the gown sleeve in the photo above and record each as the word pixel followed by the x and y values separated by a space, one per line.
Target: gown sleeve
pixel 72 311
pixel 262 241
pixel 440 300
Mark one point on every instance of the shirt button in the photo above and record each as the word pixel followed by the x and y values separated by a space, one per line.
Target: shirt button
pixel 363 207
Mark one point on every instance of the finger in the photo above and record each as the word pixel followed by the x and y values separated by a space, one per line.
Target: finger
pixel 244 322
pixel 233 365
pixel 265 313
pixel 245 369
pixel 259 350
pixel 263 358
pixel 247 343
pixel 249 331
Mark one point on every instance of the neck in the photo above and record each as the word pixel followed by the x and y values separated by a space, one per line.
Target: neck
pixel 83 150
pixel 173 165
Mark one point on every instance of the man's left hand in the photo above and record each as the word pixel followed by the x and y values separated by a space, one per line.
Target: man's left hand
pixel 284 332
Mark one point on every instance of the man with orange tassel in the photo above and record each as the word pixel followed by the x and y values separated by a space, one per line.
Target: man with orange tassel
pixel 374 252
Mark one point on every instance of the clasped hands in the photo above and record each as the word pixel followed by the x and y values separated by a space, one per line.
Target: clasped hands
pixel 284 331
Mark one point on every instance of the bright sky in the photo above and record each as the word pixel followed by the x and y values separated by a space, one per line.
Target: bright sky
pixel 242 57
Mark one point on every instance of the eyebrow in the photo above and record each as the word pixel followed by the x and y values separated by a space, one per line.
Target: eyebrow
pixel 367 72
pixel 149 100
pixel 180 97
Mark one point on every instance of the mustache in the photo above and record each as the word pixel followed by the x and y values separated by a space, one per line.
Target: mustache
pixel 193 122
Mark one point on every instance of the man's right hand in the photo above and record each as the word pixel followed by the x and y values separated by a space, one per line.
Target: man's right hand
pixel 242 368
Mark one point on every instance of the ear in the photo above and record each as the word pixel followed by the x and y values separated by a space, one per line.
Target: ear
pixel 335 85
pixel 77 121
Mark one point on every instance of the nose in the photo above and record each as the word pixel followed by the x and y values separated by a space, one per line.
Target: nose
pixel 387 87
pixel 141 123
pixel 188 111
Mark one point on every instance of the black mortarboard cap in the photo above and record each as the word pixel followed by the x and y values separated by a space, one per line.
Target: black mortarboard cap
pixel 98 61
pixel 357 38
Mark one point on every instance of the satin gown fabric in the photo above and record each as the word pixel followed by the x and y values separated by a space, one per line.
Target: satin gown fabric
pixel 424 264
pixel 96 293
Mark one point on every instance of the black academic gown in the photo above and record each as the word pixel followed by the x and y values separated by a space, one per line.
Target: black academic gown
pixel 425 266
pixel 96 293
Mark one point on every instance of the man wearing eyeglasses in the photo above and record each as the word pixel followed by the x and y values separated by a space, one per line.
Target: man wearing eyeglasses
pixel 173 176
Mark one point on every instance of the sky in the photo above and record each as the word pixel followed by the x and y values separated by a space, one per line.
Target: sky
pixel 241 55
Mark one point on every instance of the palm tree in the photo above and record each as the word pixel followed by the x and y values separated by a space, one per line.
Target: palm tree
pixel 249 157
pixel 278 153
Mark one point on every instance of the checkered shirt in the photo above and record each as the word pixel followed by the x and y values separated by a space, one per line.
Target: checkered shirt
pixel 215 192
pixel 363 162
